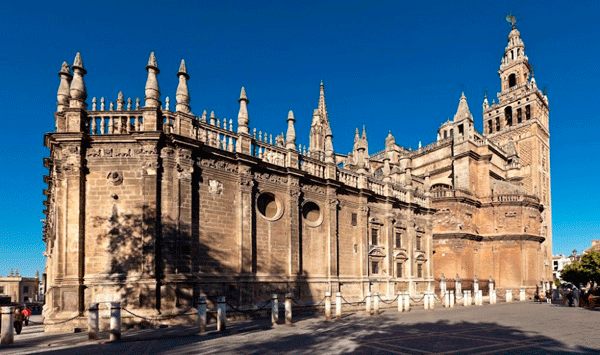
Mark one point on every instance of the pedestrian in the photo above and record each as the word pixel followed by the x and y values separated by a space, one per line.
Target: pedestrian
pixel 26 313
pixel 18 320
pixel 570 297
pixel 576 296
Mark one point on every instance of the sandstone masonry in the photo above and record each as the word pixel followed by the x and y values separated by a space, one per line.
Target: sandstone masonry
pixel 153 207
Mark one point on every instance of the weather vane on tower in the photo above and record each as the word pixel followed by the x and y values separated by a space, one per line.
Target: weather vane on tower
pixel 512 19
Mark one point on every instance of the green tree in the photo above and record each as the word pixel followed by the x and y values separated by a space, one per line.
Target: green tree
pixel 590 262
pixel 574 273
pixel 583 271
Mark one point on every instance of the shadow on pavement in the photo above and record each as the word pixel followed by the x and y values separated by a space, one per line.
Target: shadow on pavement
pixel 351 335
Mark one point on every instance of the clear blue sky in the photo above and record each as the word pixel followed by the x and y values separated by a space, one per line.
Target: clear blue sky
pixel 385 64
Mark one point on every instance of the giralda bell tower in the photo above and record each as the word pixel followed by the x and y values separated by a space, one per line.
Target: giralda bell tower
pixel 521 115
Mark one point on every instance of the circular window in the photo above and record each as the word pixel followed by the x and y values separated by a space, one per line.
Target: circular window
pixel 312 214
pixel 269 206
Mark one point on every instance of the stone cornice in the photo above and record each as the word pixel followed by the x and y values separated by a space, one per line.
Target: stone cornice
pixel 488 238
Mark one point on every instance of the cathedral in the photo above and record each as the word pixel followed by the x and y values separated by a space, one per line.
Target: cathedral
pixel 152 206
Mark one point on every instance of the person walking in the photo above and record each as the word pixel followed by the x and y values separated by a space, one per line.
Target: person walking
pixel 18 320
pixel 570 297
pixel 26 313
pixel 576 296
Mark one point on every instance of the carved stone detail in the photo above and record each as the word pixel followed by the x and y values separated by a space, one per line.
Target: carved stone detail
pixel 314 188
pixel 115 178
pixel 215 187
pixel 219 165
pixel 271 178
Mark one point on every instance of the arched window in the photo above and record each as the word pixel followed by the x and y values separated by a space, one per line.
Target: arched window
pixel 512 80
pixel 508 116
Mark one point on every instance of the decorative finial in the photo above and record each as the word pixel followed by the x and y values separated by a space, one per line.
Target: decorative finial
pixel 290 138
pixel 77 89
pixel 485 100
pixel 78 62
pixel 120 101
pixel 203 119
pixel 63 95
pixel 243 119
pixel 183 95
pixel 212 118
pixel 152 61
pixel 389 141
pixel 152 90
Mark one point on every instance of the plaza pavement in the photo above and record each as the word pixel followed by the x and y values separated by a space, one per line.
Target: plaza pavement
pixel 513 328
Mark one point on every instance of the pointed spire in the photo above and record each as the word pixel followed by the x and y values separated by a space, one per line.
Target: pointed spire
pixel 329 158
pixel 77 90
pixel 463 110
pixel 152 90
pixel 322 106
pixel 533 80
pixel 243 119
pixel 356 135
pixel 485 101
pixel 63 95
pixel 364 133
pixel 182 96
pixel 290 137
pixel 203 119
pixel 389 140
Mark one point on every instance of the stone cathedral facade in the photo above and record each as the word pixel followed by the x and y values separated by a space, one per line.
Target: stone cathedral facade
pixel 151 205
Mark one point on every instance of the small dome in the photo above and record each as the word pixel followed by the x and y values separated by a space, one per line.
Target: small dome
pixel 514 33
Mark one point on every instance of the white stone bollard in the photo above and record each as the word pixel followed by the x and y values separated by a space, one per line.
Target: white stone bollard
pixel 8 330
pixel 376 304
pixel 509 297
pixel 327 305
pixel 475 285
pixel 288 308
pixel 406 301
pixel 221 314
pixel 274 309
pixel 115 321
pixel 431 301
pixel 466 298
pixel 338 305
pixel 368 304
pixel 400 302
pixel 426 301
pixel 93 321
pixel 522 295
pixel 451 299
pixel 443 286
pixel 201 314
pixel 447 299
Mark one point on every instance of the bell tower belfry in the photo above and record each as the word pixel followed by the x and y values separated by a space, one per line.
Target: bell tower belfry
pixel 520 121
